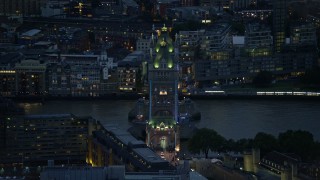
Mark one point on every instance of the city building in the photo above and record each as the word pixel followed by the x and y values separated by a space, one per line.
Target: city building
pixel 32 140
pixel 251 160
pixel 191 13
pixel 239 4
pixel 30 78
pixel 53 8
pixel 7 109
pixel 310 169
pixel 284 164
pixel 188 3
pixel 216 42
pixel 279 24
pixel 161 6
pixel 295 60
pixel 19 7
pixel 130 72
pixel 110 172
pixel 30 37
pixel 162 127
pixel 143 44
pixel 303 34
pixel 8 28
pixel 189 45
pixel 85 80
pixel 8 73
pixel 58 79
pixel 258 40
pixel 113 146
pixel 189 42
pixel 8 83
pixel 5 36
pixel 89 74
pixel 220 4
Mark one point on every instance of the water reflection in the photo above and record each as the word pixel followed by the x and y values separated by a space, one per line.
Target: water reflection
pixel 231 118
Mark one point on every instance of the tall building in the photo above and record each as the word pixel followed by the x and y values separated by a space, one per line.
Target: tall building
pixel 21 7
pixel 34 139
pixel 279 24
pixel 30 77
pixel 162 128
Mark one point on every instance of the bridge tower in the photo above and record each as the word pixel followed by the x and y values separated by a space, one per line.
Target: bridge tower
pixel 162 128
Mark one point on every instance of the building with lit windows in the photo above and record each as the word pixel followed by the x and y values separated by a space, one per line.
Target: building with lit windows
pixel 279 24
pixel 189 44
pixel 216 42
pixel 303 34
pixel 258 40
pixel 193 13
pixel 8 74
pixel 113 146
pixel 8 83
pixel 162 127
pixel 30 78
pixel 32 140
pixel 189 41
pixel 127 72
pixel 130 72
pixel 220 4
pixel 7 109
pixel 58 79
pixel 88 73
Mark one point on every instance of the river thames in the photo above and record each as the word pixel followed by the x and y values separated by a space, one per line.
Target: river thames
pixel 231 118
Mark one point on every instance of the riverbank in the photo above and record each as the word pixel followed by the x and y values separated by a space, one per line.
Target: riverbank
pixel 252 97
pixel 314 96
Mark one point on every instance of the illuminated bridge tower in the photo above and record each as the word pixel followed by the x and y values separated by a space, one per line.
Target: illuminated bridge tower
pixel 162 128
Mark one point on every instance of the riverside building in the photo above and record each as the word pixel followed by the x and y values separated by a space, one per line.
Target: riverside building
pixel 32 140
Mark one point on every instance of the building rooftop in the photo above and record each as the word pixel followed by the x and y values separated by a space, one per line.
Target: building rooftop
pixel 131 3
pixel 40 116
pixel 126 139
pixel 256 27
pixel 166 1
pixel 238 40
pixel 31 32
pixel 118 132
pixel 137 143
pixel 280 158
pixel 149 155
pixel 74 55
pixel 218 28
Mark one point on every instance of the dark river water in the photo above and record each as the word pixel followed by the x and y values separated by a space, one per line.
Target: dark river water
pixel 231 118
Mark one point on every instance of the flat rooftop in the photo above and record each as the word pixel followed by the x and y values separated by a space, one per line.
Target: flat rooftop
pixel 31 32
pixel 149 155
pixel 39 116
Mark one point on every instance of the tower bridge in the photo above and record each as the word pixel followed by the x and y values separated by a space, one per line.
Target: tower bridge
pixel 162 127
